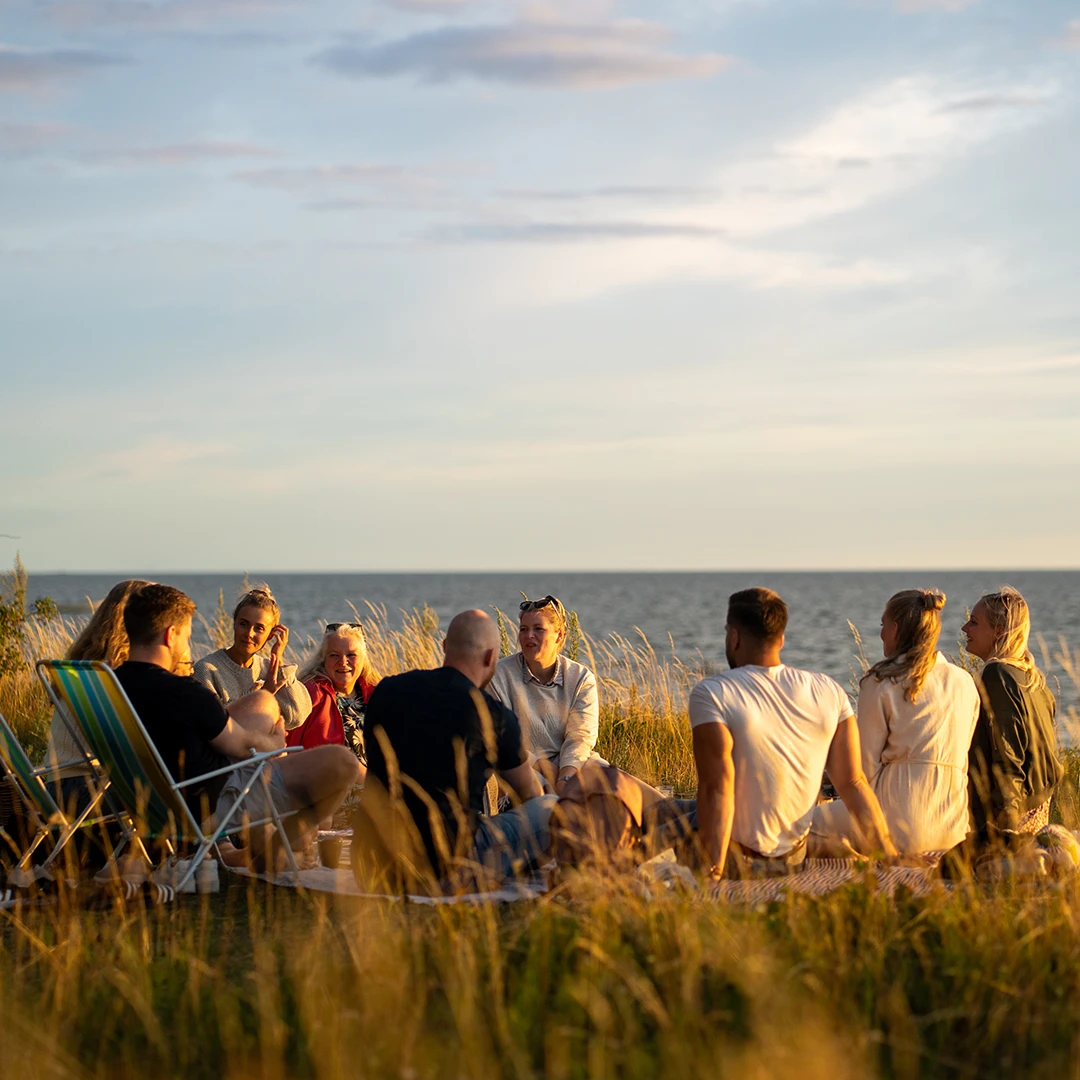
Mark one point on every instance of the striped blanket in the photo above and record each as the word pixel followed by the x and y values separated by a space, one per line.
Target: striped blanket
pixel 817 877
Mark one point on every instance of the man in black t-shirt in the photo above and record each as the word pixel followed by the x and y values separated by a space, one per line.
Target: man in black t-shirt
pixel 434 738
pixel 194 734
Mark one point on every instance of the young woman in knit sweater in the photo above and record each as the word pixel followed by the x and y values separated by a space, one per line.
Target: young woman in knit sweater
pixel 233 672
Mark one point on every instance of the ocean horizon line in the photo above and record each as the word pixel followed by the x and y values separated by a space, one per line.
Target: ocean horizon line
pixel 549 570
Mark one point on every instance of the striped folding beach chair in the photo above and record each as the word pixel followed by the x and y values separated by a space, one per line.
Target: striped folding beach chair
pixel 140 782
pixel 44 813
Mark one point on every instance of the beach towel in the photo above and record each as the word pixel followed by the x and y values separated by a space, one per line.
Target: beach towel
pixel 341 882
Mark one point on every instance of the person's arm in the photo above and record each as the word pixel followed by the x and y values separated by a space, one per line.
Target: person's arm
pixel 293 699
pixel 873 723
pixel 845 771
pixel 314 729
pixel 1009 743
pixel 274 671
pixel 236 742
pixel 582 728
pixel 203 673
pixel 715 766
pixel 524 780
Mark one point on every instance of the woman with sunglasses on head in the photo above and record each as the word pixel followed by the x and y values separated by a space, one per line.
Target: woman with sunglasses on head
pixel 340 678
pixel 555 698
pixel 1013 767
pixel 238 670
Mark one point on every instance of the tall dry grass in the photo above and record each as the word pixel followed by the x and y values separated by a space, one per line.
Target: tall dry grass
pixel 594 982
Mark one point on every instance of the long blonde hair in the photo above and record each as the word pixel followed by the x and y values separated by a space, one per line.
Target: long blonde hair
pixel 314 666
pixel 1009 614
pixel 104 636
pixel 917 614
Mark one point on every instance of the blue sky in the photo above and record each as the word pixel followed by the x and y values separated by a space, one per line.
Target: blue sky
pixel 441 284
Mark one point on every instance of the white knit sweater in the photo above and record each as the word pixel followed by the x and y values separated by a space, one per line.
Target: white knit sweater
pixel 229 681
pixel 559 720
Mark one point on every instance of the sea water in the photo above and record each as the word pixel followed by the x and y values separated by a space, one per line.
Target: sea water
pixel 683 611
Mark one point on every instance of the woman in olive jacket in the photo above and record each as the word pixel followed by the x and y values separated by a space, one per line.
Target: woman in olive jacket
pixel 1013 766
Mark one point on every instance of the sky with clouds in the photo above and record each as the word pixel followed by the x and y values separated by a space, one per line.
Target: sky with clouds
pixel 457 284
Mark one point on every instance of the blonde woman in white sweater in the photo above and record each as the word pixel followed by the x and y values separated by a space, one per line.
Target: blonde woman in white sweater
pixel 554 698
pixel 238 670
pixel 916 717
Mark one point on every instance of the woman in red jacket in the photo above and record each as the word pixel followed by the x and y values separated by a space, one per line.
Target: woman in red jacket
pixel 339 678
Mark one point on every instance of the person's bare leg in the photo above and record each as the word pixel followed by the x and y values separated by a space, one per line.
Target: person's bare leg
pixel 257 712
pixel 649 794
pixel 318 781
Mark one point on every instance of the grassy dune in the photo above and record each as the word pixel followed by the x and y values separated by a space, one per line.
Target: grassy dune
pixel 590 981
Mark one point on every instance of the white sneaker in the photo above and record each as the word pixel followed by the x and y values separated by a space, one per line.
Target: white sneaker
pixel 206 877
pixel 171 871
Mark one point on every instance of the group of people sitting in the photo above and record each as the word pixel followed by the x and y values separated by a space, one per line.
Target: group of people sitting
pixel 933 759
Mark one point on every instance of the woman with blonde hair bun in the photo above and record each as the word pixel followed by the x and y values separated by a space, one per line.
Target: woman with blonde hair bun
pixel 916 715
pixel 239 669
pixel 1013 765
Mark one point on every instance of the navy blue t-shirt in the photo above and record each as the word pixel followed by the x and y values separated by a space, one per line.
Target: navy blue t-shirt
pixel 181 716
pixel 426 715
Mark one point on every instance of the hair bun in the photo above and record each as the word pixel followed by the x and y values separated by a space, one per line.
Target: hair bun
pixel 933 599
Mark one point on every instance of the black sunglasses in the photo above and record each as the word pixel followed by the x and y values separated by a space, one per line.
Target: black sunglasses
pixel 332 626
pixel 536 605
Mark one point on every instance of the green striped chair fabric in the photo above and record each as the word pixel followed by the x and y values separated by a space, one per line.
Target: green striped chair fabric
pixel 139 780
pixel 45 813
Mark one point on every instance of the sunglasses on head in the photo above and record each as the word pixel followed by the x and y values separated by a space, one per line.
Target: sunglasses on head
pixel 332 626
pixel 536 605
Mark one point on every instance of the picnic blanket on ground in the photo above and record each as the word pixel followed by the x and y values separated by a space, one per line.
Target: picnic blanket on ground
pixel 341 882
pixel 819 877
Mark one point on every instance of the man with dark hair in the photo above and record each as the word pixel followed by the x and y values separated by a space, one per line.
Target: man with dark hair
pixel 434 738
pixel 763 732
pixel 195 734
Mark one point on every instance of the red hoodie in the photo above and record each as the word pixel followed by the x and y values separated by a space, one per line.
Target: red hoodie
pixel 323 727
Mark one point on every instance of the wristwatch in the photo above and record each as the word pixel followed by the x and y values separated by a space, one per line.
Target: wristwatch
pixel 568 776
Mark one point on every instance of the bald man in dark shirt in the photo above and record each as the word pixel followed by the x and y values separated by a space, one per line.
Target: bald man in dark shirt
pixel 441 731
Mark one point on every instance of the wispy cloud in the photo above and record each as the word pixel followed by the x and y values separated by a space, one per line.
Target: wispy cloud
pixel 997 102
pixel 560 232
pixel 535 53
pixel 187 153
pixel 161 14
pixel 428 6
pixel 319 177
pixel 933 5
pixel 85 147
pixel 18 138
pixel 34 69
pixel 635 192
pixel 882 142
pixel 876 146
pixel 1071 38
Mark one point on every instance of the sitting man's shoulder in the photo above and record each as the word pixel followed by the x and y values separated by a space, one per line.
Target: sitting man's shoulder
pixel 162 681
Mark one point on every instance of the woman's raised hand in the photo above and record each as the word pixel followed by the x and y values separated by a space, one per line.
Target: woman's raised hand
pixel 274 678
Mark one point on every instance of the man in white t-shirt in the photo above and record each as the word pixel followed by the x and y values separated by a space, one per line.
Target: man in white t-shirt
pixel 763 733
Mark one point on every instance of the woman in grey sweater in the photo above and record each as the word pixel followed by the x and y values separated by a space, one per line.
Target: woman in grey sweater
pixel 239 669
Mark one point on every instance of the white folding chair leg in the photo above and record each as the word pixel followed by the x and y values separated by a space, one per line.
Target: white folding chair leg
pixel 71 829
pixel 285 840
